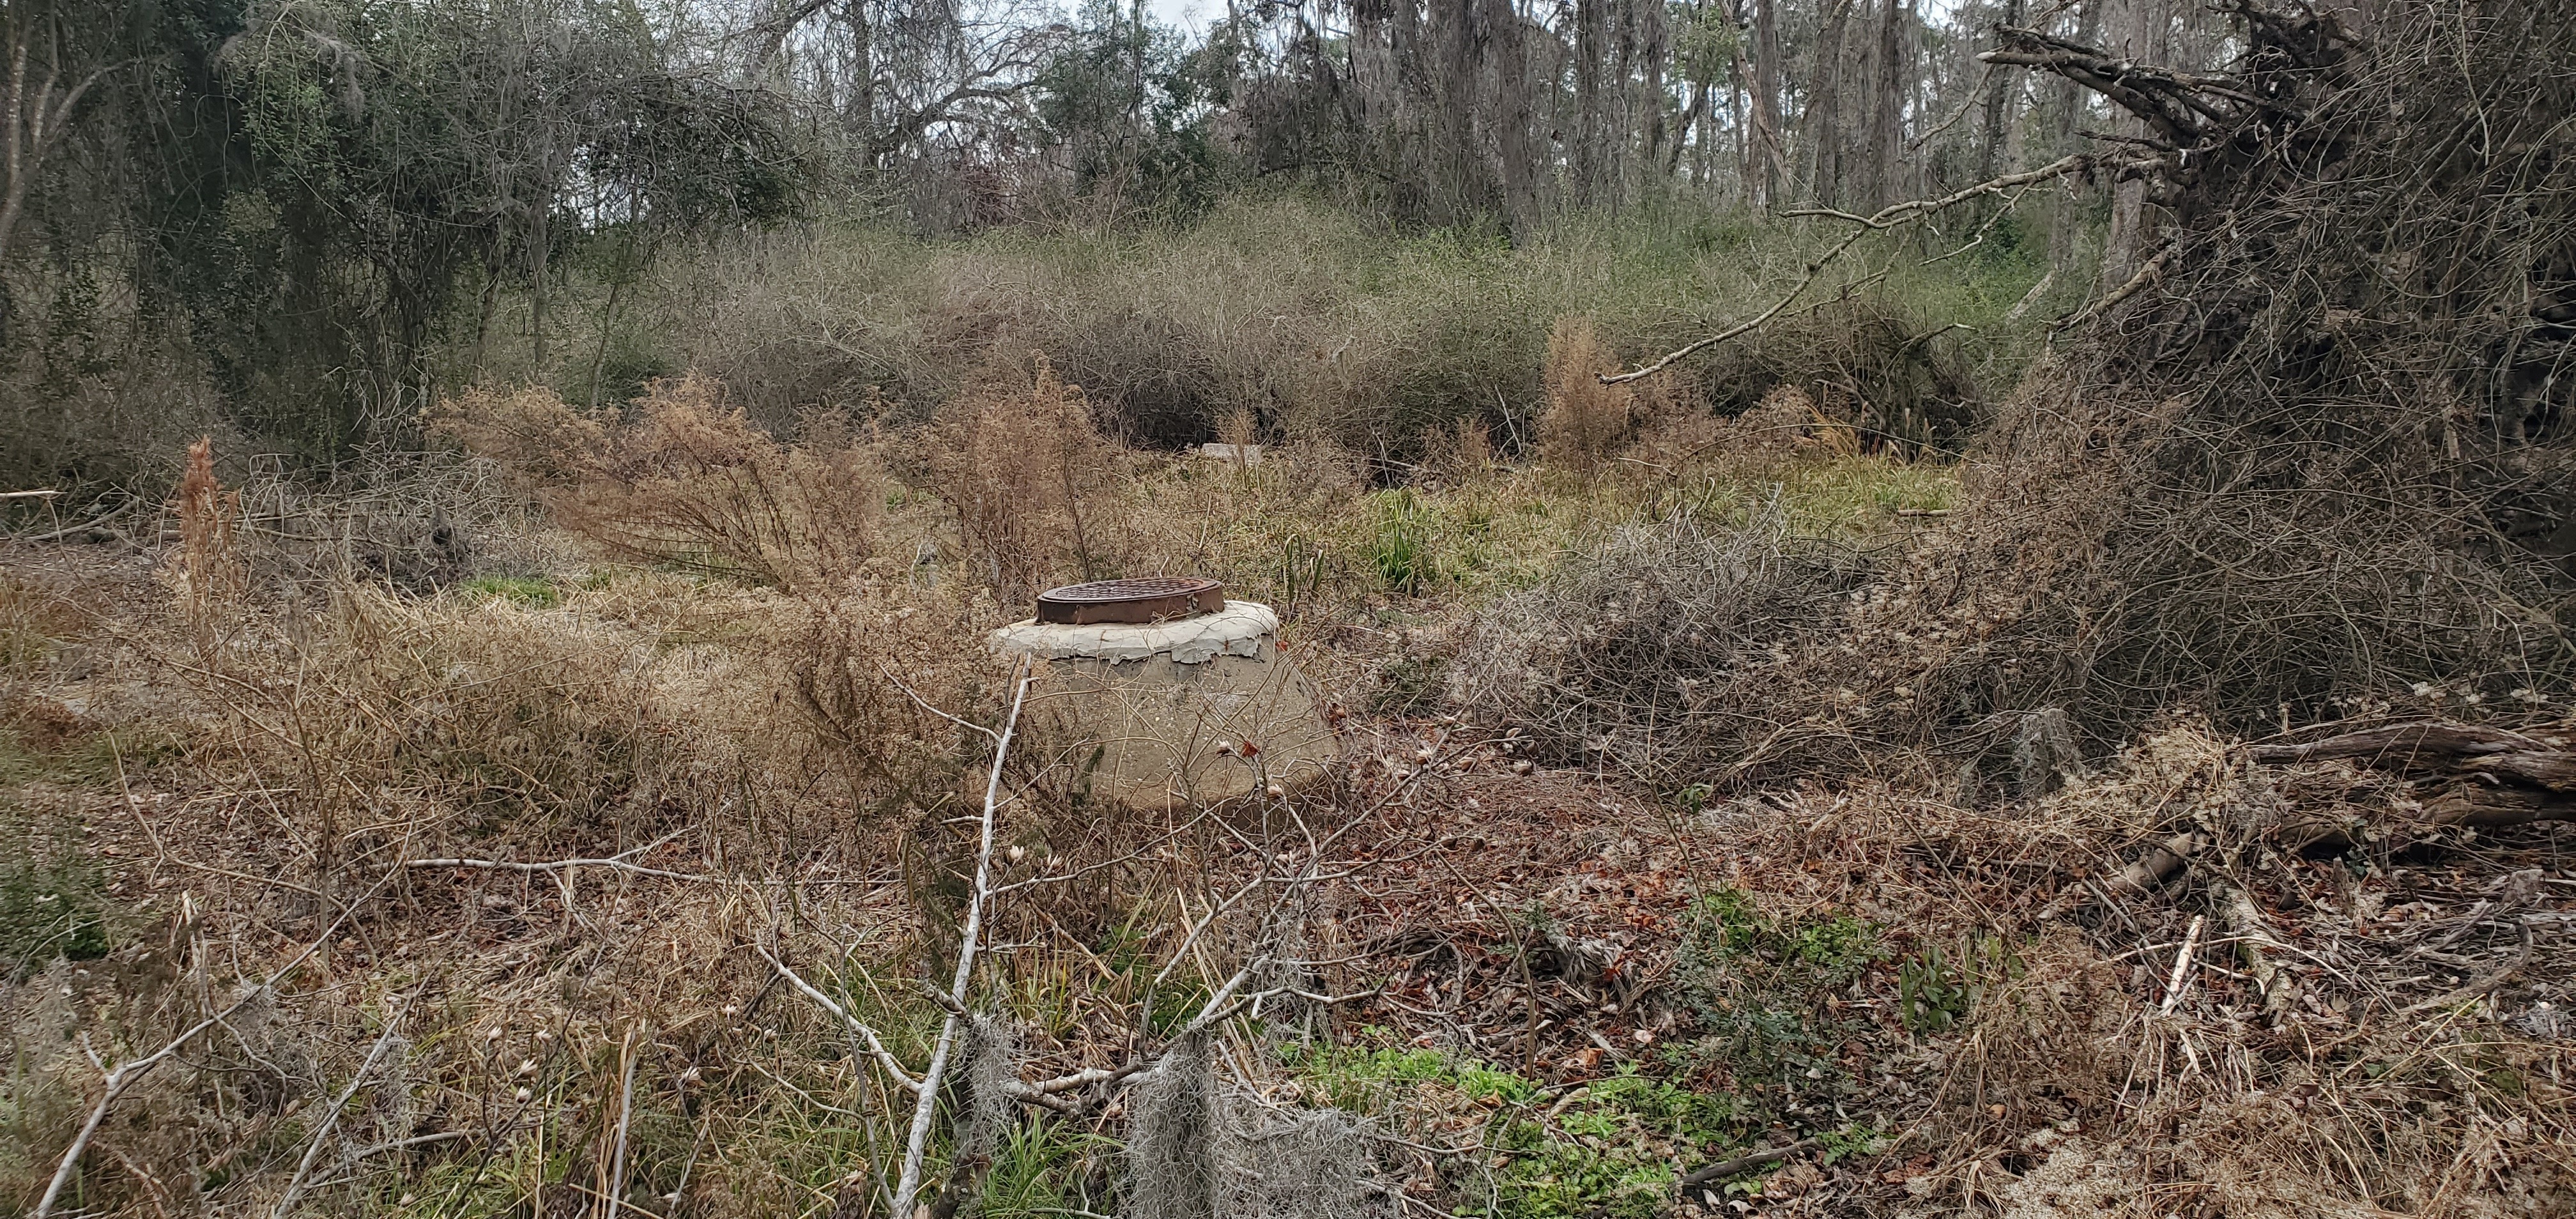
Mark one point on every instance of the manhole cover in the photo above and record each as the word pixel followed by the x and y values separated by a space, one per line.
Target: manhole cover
pixel 1151 599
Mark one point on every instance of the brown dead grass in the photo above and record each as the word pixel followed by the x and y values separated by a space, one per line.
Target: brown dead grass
pixel 1585 421
pixel 686 481
pixel 1019 461
pixel 747 739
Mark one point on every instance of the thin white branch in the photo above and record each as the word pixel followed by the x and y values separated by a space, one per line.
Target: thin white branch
pixel 625 1114
pixel 1891 216
pixel 918 1146
pixel 886 1060
pixel 331 1119
pixel 122 1077
pixel 927 705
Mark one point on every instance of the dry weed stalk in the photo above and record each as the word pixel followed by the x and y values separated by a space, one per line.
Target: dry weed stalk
pixel 969 942
pixel 118 1079
pixel 852 667
pixel 210 561
pixel 1018 459
pixel 528 431
pixel 692 483
pixel 687 481
pixel 1666 655
pixel 1586 419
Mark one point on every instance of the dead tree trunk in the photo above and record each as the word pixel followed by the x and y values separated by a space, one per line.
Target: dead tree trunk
pixel 1763 176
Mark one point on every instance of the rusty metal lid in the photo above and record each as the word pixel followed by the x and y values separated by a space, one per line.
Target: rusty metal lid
pixel 1151 599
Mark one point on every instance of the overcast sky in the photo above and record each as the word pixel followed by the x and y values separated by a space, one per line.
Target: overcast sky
pixel 1190 15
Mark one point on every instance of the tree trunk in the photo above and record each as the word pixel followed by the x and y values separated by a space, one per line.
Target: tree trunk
pixel 1653 52
pixel 2141 36
pixel 1588 154
pixel 1990 154
pixel 1763 177
pixel 1825 109
pixel 1466 190
pixel 537 282
pixel 2069 105
pixel 863 115
pixel 1510 116
pixel 1886 129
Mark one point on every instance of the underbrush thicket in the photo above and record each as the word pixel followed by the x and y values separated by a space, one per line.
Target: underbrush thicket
pixel 749 736
pixel 1318 323
pixel 735 676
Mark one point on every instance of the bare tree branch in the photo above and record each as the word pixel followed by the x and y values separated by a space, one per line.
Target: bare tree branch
pixel 1894 215
pixel 909 1184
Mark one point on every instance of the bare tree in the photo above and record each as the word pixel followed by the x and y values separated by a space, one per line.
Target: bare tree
pixel 37 105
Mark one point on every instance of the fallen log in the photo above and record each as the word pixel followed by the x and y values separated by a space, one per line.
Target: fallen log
pixel 2417 745
pixel 2495 776
pixel 2468 776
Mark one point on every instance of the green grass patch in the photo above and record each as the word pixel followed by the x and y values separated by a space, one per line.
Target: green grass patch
pixel 530 592
pixel 1768 993
pixel 50 898
pixel 1608 1147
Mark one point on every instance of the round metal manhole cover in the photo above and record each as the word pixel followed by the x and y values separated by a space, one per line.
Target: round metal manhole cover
pixel 1151 599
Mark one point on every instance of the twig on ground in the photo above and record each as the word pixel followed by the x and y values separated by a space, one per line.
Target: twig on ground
pixel 1729 1167
pixel 625 1115
pixel 2252 937
pixel 2477 986
pixel 2181 976
pixel 918 1145
pixel 121 1077
pixel 331 1118
pixel 617 862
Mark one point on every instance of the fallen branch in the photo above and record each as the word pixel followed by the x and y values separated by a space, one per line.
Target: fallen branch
pixel 2153 270
pixel 2502 777
pixel 2139 877
pixel 2143 875
pixel 886 1060
pixel 2478 986
pixel 2415 745
pixel 2181 976
pixel 1729 1167
pixel 121 1077
pixel 908 1185
pixel 331 1119
pixel 2252 936
pixel 617 862
pixel 1894 215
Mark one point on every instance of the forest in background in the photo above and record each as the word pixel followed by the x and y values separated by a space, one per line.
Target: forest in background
pixel 307 222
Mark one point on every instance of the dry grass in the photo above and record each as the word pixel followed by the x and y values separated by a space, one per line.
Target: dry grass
pixel 1021 464
pixel 687 481
pixel 746 732
pixel 1585 420
pixel 802 801
pixel 210 562
pixel 1673 775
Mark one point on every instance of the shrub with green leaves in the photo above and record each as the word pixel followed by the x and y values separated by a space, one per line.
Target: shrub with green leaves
pixel 1601 1149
